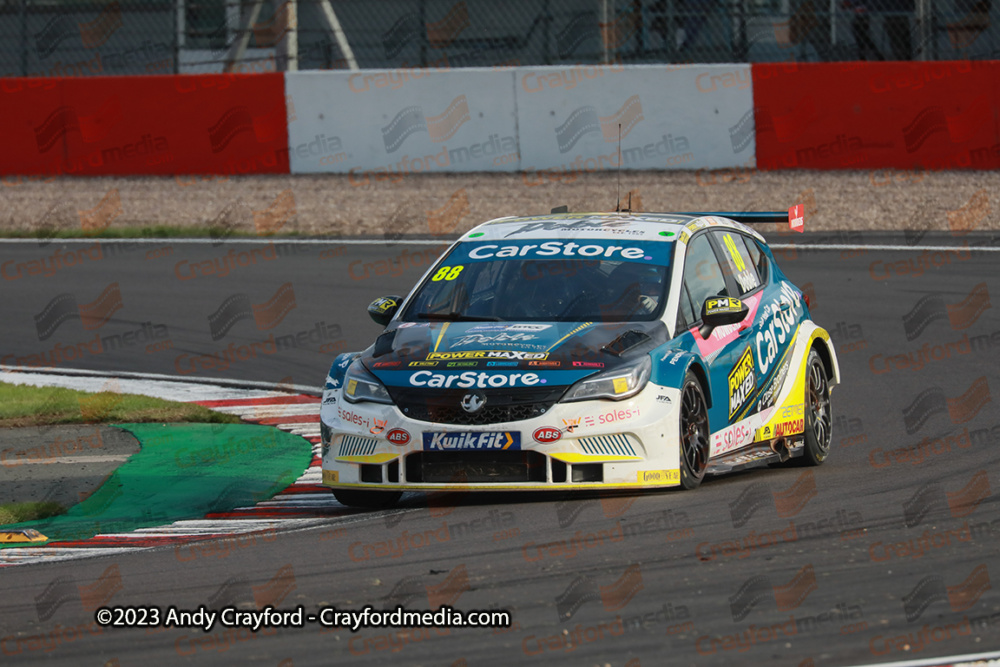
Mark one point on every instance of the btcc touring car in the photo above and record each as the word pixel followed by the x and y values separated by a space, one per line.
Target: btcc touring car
pixel 582 351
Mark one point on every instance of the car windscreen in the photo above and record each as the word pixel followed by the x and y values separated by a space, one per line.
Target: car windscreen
pixel 547 280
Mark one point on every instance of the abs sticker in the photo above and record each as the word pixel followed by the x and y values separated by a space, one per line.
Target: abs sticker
pixel 546 434
pixel 741 382
pixel 398 437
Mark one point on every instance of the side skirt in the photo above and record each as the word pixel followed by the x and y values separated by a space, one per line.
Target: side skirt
pixel 756 455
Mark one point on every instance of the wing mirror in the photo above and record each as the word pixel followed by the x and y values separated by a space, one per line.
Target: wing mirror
pixel 721 311
pixel 383 308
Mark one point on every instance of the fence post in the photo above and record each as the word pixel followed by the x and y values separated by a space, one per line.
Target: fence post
pixel 923 23
pixel 179 28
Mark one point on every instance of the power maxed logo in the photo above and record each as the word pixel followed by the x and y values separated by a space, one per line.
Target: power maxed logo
pixel 487 441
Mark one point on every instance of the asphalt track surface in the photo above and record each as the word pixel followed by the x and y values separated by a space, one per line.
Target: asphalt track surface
pixel 884 553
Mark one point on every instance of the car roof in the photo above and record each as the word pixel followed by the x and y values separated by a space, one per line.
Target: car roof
pixel 662 227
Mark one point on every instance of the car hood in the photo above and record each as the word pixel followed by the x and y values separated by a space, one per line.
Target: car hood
pixel 560 353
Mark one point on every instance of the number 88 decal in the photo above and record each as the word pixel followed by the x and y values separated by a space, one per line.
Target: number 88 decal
pixel 447 273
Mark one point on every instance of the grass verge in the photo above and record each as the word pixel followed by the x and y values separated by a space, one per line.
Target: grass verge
pixel 32 511
pixel 148 231
pixel 23 405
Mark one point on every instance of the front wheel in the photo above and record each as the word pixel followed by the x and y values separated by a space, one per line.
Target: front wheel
pixel 818 412
pixel 694 433
pixel 372 500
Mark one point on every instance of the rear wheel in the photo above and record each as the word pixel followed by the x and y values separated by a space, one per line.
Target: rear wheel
pixel 372 500
pixel 818 412
pixel 694 433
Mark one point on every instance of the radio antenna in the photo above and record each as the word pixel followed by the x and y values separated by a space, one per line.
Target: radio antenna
pixel 618 195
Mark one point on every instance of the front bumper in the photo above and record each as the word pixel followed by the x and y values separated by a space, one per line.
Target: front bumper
pixel 599 444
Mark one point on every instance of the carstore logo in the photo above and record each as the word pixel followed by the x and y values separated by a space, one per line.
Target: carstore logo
pixel 933 589
pixel 412 119
pixel 931 497
pixel 265 315
pixel 932 307
pixel 92 315
pixel 585 120
pixel 787 503
pixel 932 401
pixel 613 597
pixel 758 588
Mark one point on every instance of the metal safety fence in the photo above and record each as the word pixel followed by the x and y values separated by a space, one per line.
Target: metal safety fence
pixel 76 38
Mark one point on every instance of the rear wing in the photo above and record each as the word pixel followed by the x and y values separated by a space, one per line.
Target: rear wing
pixel 795 217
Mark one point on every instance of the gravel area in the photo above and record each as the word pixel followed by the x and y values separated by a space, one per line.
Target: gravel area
pixel 451 203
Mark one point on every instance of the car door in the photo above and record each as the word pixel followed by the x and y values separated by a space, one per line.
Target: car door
pixel 780 311
pixel 704 278
pixel 762 365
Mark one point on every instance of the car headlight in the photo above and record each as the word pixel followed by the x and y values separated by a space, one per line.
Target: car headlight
pixel 616 384
pixel 360 385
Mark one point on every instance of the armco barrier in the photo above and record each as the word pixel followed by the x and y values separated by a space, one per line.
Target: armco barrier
pixel 903 115
pixel 389 123
pixel 384 124
pixel 671 117
pixel 194 124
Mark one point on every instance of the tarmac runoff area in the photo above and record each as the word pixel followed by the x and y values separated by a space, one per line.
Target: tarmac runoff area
pixel 126 477
pixel 62 464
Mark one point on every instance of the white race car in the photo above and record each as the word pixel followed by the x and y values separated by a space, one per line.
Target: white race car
pixel 582 351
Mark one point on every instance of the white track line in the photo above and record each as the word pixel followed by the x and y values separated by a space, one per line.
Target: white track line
pixel 365 242
pixel 173 387
pixel 991 659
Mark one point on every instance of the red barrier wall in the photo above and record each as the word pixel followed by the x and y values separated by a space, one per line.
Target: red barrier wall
pixel 187 124
pixel 863 115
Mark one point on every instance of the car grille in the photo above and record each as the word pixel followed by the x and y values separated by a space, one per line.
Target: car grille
pixel 475 467
pixel 444 407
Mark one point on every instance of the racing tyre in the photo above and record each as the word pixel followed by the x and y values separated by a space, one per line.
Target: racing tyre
pixel 818 412
pixel 372 500
pixel 694 433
